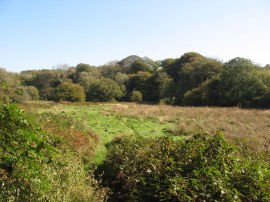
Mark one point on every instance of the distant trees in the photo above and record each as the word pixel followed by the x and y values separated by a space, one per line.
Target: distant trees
pixel 136 96
pixel 240 83
pixel 32 91
pixel 104 90
pixel 190 71
pixel 12 90
pixel 68 91
pixel 192 79
pixel 45 81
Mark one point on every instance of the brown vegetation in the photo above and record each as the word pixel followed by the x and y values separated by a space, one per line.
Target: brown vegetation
pixel 250 126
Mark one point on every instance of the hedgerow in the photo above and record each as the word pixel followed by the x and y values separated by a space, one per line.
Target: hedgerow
pixel 202 168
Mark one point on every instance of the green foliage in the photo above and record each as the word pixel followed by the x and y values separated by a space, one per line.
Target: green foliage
pixel 160 87
pixel 11 89
pixel 68 91
pixel 103 90
pixel 240 83
pixel 140 65
pixel 45 81
pixel 25 151
pixel 206 94
pixel 136 96
pixel 194 97
pixel 36 166
pixel 121 78
pixel 4 98
pixel 110 71
pixel 32 91
pixel 83 68
pixel 202 168
pixel 172 67
pixel 139 82
pixel 191 79
pixel 190 71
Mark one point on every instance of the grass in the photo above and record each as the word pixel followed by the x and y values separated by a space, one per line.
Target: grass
pixel 109 120
pixel 108 125
pixel 85 129
pixel 249 125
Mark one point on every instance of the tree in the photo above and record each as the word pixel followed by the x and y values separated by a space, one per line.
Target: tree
pixel 173 67
pixel 240 82
pixel 46 82
pixel 103 90
pixel 140 65
pixel 11 89
pixel 110 71
pixel 4 98
pixel 32 91
pixel 190 71
pixel 160 87
pixel 136 96
pixel 68 91
pixel 138 82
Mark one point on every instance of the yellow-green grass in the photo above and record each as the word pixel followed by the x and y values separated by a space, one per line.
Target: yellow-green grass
pixel 108 120
pixel 249 125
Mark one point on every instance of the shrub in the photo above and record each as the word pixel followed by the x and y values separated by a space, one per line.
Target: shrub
pixel 36 166
pixel 202 168
pixel 194 97
pixel 25 151
pixel 68 91
pixel 136 96
pixel 33 92
pixel 104 90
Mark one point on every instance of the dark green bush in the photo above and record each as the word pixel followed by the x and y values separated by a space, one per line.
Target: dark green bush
pixel 104 90
pixel 24 152
pixel 202 168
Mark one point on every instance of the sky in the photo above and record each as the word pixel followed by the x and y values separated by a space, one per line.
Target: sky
pixel 38 34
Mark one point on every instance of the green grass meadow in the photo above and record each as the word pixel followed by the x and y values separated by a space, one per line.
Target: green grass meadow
pixel 108 125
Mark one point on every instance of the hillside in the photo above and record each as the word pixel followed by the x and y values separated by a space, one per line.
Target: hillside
pixel 190 80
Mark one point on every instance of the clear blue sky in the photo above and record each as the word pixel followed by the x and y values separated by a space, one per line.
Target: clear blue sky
pixel 37 34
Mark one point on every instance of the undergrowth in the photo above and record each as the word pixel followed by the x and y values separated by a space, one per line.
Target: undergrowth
pixel 39 165
pixel 202 168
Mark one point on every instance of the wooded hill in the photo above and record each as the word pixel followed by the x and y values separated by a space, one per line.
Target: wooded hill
pixel 192 79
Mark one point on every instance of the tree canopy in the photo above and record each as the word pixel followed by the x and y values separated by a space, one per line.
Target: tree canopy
pixel 191 79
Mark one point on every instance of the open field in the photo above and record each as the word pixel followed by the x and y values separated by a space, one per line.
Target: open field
pixel 251 127
pixel 119 152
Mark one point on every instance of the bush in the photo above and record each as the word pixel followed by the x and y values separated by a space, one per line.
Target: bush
pixel 202 168
pixel 33 92
pixel 68 91
pixel 104 90
pixel 194 97
pixel 136 96
pixel 25 152
pixel 36 166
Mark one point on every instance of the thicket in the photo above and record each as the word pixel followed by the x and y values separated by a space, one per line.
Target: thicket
pixel 39 166
pixel 202 168
pixel 11 89
pixel 25 152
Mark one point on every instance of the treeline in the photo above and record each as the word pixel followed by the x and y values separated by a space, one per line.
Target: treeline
pixel 191 79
